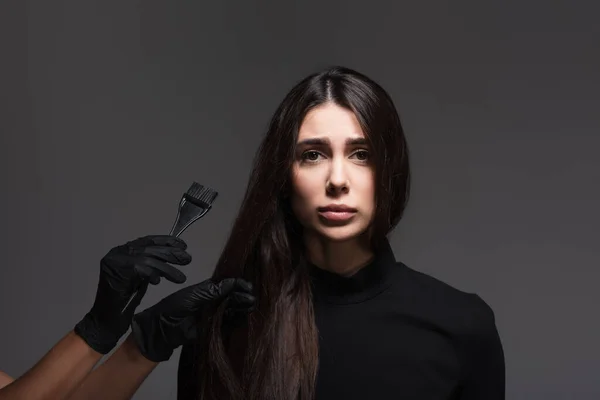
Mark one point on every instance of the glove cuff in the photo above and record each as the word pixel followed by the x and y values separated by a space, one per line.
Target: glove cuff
pixel 91 332
pixel 148 337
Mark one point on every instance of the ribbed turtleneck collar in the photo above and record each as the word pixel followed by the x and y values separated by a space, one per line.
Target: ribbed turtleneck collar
pixel 367 283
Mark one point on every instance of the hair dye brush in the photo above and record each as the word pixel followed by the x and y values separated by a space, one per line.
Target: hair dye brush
pixel 194 204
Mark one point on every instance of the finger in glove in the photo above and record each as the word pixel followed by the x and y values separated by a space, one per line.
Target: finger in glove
pixel 240 303
pixel 158 240
pixel 165 270
pixel 243 285
pixel 240 300
pixel 148 274
pixel 167 254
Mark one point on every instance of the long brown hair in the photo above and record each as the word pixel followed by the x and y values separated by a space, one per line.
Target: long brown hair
pixel 274 355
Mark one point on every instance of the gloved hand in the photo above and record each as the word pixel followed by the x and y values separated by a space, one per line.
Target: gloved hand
pixel 173 321
pixel 124 270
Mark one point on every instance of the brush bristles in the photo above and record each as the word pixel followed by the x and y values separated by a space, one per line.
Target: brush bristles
pixel 201 194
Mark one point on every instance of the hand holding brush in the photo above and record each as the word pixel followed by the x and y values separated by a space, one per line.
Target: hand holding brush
pixel 126 271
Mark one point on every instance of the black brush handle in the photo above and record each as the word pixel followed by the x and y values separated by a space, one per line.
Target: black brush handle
pixel 187 214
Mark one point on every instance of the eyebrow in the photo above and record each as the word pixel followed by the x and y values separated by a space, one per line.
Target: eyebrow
pixel 325 141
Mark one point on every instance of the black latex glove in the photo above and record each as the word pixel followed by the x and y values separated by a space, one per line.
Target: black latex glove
pixel 124 270
pixel 173 321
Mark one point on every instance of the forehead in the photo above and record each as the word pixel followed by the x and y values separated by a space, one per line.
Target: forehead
pixel 330 121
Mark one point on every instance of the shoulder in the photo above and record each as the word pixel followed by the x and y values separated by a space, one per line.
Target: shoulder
pixel 468 320
pixel 463 312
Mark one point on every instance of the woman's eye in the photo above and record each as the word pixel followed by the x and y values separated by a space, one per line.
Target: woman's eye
pixel 310 156
pixel 362 155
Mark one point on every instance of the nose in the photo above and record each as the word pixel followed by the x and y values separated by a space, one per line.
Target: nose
pixel 337 181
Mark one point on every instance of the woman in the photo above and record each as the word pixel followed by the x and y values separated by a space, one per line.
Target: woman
pixel 336 315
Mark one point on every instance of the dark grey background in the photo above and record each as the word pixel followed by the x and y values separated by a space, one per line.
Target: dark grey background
pixel 110 110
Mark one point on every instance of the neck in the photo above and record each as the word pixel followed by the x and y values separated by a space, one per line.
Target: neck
pixel 343 258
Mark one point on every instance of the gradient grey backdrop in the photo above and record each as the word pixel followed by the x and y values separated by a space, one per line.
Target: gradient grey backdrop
pixel 110 111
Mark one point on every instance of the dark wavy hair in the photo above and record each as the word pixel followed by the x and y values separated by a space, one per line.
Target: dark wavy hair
pixel 273 355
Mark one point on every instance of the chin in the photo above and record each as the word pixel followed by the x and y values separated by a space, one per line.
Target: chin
pixel 340 234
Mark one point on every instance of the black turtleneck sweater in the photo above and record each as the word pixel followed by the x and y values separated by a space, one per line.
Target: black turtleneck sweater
pixel 391 332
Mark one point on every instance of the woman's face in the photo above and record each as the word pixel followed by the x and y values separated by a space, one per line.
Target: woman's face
pixel 332 177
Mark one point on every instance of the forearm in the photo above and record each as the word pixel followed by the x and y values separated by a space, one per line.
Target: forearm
pixel 117 378
pixel 57 374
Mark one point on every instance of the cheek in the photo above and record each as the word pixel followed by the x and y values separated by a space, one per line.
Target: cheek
pixel 366 183
pixel 303 187
pixel 304 192
pixel 367 195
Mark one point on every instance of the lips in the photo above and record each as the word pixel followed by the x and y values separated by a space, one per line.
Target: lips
pixel 337 208
pixel 337 213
